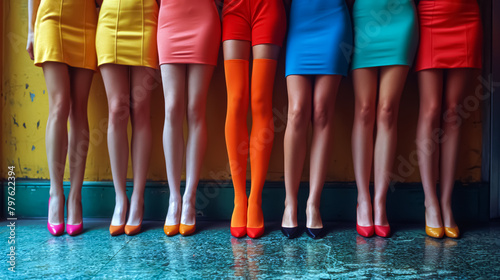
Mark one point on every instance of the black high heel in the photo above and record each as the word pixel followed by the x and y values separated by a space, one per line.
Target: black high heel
pixel 314 233
pixel 290 232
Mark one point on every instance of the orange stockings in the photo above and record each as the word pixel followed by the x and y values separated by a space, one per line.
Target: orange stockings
pixel 247 217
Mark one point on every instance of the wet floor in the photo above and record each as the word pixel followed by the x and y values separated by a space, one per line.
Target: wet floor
pixel 212 253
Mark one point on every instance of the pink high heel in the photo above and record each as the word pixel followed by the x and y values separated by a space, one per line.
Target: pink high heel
pixel 55 230
pixel 74 229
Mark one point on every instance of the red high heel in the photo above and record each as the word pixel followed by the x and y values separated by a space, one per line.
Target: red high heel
pixel 383 231
pixel 364 231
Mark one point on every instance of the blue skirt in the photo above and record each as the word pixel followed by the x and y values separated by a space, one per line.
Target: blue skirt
pixel 320 38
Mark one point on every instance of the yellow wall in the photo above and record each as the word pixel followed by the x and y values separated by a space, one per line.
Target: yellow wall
pixel 24 118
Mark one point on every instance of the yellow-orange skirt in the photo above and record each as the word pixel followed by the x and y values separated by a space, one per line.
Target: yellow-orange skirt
pixel 126 33
pixel 65 32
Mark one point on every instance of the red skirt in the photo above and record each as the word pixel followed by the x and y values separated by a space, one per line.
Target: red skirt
pixel 450 34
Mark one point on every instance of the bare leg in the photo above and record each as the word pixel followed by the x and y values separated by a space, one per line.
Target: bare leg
pixel 299 116
pixel 199 77
pixel 392 81
pixel 57 80
pixel 325 93
pixel 141 139
pixel 81 80
pixel 174 88
pixel 117 83
pixel 431 93
pixel 457 85
pixel 365 91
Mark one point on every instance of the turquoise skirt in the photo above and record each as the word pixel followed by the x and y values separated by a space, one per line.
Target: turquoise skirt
pixel 385 33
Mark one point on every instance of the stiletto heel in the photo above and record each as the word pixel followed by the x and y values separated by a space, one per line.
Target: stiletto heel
pixel 452 232
pixel 55 230
pixel 187 230
pixel 383 231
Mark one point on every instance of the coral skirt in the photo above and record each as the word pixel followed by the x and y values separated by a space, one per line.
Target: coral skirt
pixel 189 32
pixel 450 34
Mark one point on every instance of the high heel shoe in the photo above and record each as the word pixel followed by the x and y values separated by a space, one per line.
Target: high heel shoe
pixel 433 232
pixel 238 232
pixel 55 230
pixel 74 229
pixel 117 230
pixel 367 231
pixel 255 232
pixel 133 230
pixel 383 231
pixel 452 232
pixel 314 233
pixel 187 230
pixel 171 230
pixel 290 232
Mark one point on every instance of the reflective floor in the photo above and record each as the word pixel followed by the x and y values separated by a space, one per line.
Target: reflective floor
pixel 213 253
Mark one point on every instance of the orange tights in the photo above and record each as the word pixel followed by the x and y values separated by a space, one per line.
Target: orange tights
pixel 247 215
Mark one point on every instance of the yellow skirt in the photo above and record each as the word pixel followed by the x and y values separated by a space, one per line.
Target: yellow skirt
pixel 126 33
pixel 65 32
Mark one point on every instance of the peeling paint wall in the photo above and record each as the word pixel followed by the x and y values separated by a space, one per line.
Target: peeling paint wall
pixel 24 110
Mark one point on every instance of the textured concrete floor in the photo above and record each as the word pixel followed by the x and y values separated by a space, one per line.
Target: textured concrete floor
pixel 213 253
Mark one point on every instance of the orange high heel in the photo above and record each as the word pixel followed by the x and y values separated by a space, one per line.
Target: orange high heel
pixel 133 230
pixel 117 230
pixel 187 230
pixel 171 230
pixel 452 232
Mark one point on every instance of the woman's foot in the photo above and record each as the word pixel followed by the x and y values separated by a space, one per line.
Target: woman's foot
pixel 380 214
pixel 75 212
pixel 313 217
pixel 433 215
pixel 447 214
pixel 364 214
pixel 136 212
pixel 56 209
pixel 120 213
pixel 174 213
pixel 289 216
pixel 188 216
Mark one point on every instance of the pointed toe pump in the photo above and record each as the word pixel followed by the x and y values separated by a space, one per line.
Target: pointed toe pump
pixel 365 231
pixel 74 229
pixel 187 230
pixel 452 232
pixel 434 232
pixel 290 232
pixel 314 233
pixel 55 230
pixel 171 230
pixel 117 230
pixel 383 231
pixel 133 230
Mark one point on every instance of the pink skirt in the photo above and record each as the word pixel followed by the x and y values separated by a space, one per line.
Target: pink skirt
pixel 189 32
